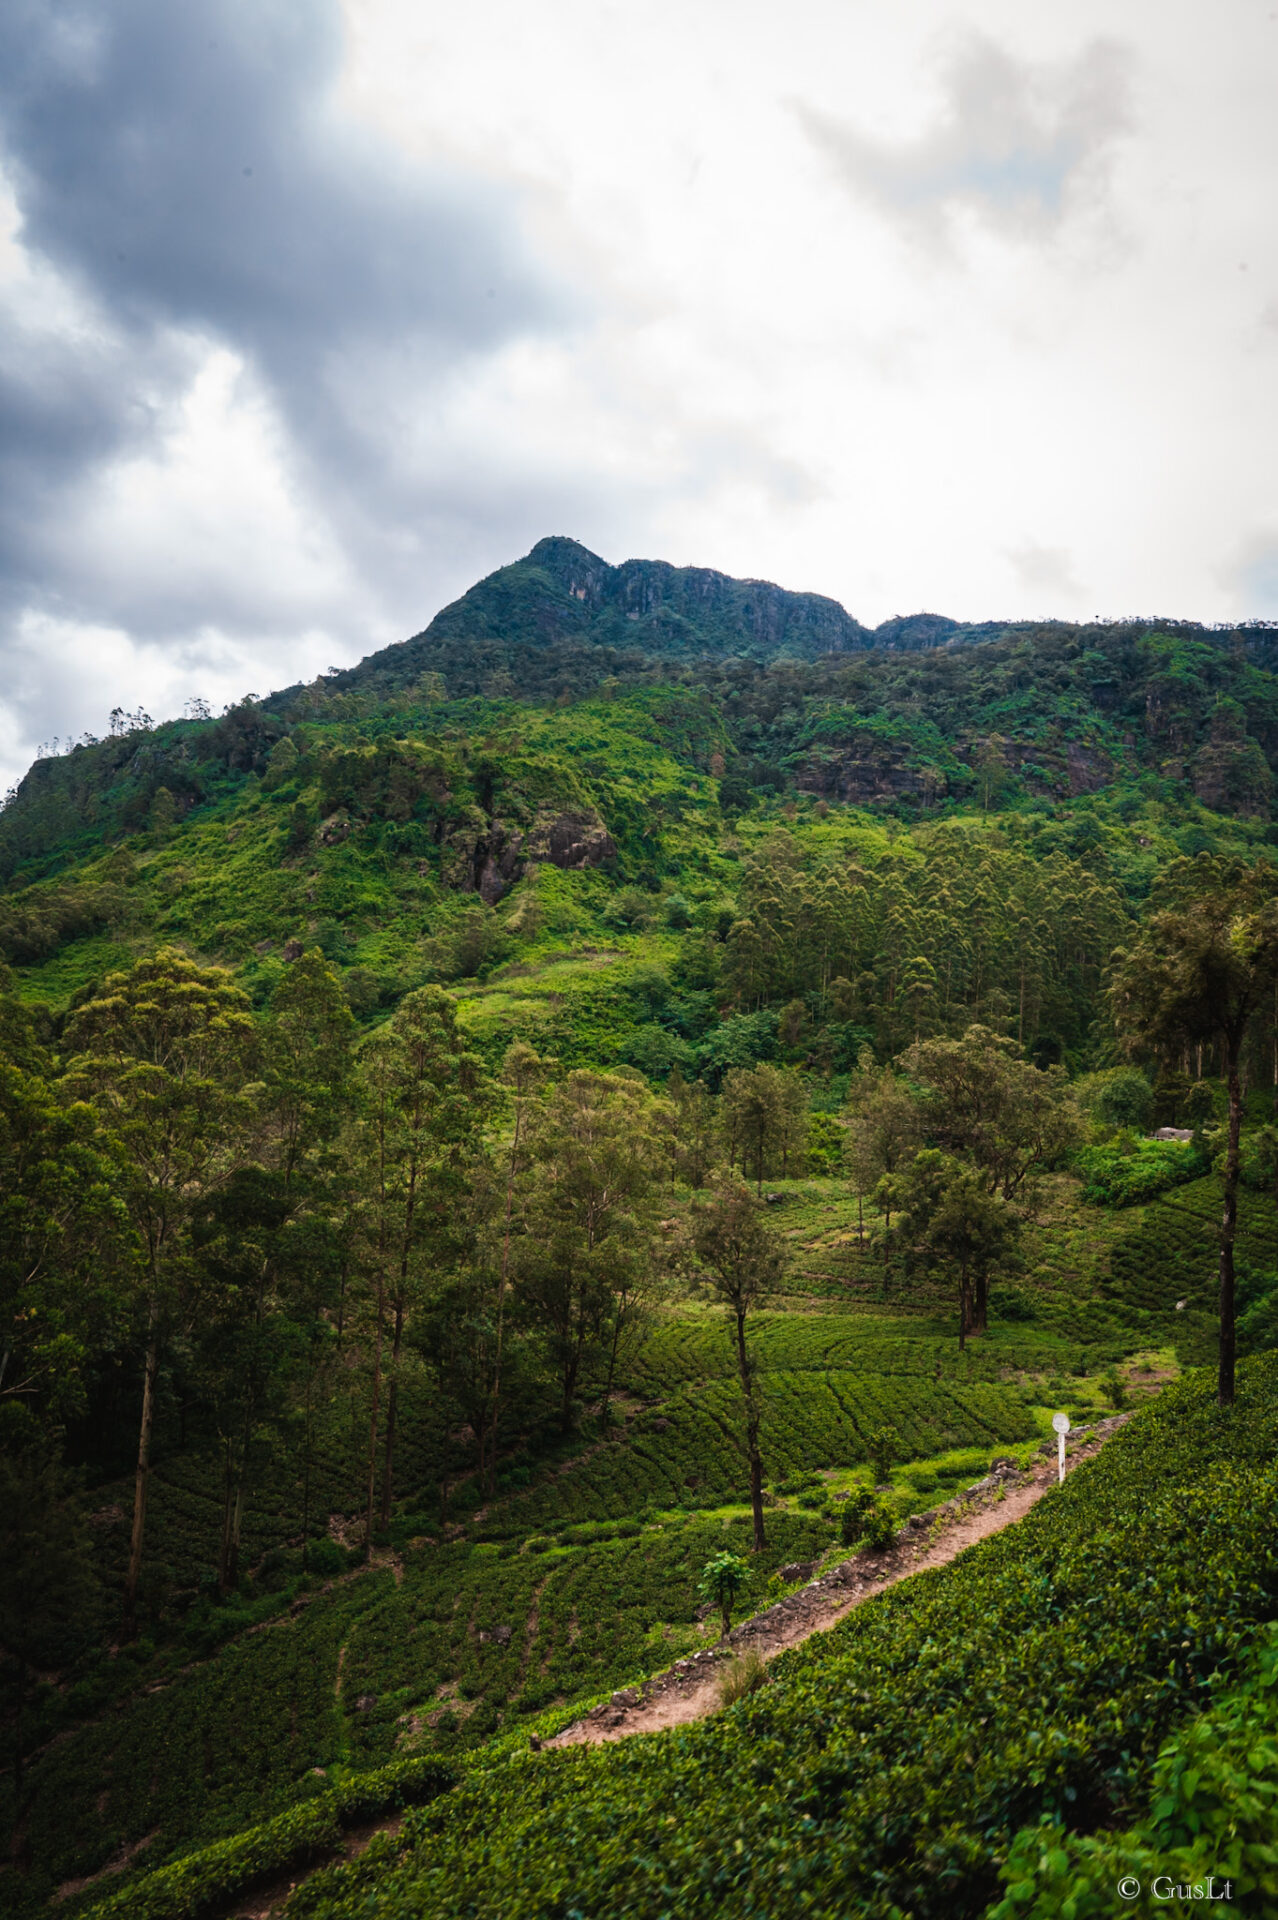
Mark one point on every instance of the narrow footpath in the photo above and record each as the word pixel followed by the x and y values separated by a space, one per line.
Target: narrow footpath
pixel 690 1689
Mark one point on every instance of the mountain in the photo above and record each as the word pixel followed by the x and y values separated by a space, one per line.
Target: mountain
pixel 804 698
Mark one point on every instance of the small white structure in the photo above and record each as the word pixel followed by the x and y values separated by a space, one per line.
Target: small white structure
pixel 1060 1421
pixel 1174 1133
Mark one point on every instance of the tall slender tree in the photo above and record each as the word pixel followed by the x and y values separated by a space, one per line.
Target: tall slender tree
pixel 588 1218
pixel 166 1051
pixel 745 1263
pixel 1201 970
pixel 425 1101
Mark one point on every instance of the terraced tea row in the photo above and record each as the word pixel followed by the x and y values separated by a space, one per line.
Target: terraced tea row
pixel 438 1653
pixel 688 1452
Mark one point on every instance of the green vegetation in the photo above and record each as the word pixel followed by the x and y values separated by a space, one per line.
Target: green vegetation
pixel 646 1078
pixel 205 1881
pixel 897 1755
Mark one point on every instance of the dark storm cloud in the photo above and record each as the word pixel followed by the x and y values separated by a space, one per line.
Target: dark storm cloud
pixel 180 168
pixel 1015 145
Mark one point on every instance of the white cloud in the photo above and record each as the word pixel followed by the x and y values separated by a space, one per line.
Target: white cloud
pixel 1018 145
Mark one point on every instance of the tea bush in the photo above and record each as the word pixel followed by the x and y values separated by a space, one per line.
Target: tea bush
pixel 208 1879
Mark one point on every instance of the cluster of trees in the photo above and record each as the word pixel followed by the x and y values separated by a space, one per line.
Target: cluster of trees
pixel 232 1219
pixel 226 1221
pixel 950 1144
pixel 927 941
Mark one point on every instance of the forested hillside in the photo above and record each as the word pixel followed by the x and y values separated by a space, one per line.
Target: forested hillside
pixel 647 1076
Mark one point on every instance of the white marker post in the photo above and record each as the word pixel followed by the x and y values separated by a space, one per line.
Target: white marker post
pixel 1060 1422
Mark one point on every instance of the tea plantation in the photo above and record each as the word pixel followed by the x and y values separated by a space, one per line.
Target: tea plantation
pixel 890 1765
pixel 581 1575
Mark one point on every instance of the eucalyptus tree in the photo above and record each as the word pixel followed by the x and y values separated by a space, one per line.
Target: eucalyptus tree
pixel 745 1263
pixel 266 1233
pixel 1201 971
pixel 425 1099
pixel 764 1114
pixel 981 1100
pixel 167 1052
pixel 950 1221
pixel 65 1240
pixel 883 1125
pixel 588 1251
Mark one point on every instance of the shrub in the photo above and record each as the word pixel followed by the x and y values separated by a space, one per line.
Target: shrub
pixel 325 1558
pixel 883 1449
pixel 880 1528
pixel 1126 1172
pixel 1125 1099
pixel 1114 1388
pixel 744 1677
pixel 722 1579
pixel 866 1517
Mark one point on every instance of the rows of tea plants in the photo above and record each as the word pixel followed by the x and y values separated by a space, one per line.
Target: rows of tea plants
pixel 466 1639
pixel 215 1875
pixel 1172 1255
pixel 681 1351
pixel 687 1452
pixel 474 1634
pixel 185 1502
pixel 197 1753
pixel 888 1764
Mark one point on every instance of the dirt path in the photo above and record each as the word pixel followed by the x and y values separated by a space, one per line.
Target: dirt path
pixel 690 1689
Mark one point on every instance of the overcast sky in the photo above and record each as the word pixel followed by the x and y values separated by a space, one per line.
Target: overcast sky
pixel 312 314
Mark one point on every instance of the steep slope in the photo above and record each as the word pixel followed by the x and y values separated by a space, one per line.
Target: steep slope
pixel 560 595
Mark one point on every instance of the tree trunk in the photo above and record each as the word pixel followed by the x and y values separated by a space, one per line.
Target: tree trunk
pixel 306 1464
pixel 19 1737
pixel 141 1484
pixel 965 1308
pixel 237 1514
pixel 512 1172
pixel 392 1409
pixel 612 1373
pixel 981 1303
pixel 224 1551
pixel 372 1423
pixel 752 1436
pixel 1228 1234
pixel 569 1388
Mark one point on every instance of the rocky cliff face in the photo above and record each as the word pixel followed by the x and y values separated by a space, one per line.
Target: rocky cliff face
pixel 487 856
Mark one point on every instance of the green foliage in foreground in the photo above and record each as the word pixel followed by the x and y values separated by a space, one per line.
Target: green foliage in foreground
pixel 1213 1818
pixel 889 1765
pixel 206 1880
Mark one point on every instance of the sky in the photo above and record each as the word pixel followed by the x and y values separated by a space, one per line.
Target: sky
pixel 313 312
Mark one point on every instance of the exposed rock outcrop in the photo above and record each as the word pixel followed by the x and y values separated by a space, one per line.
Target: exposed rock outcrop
pixel 487 856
